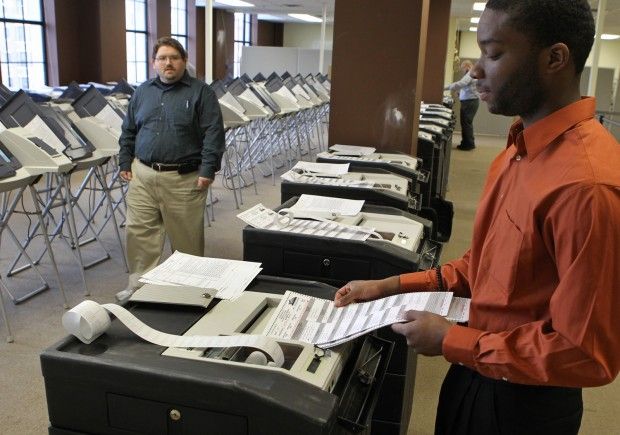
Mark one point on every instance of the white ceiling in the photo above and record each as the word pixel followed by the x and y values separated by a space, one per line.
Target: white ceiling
pixel 461 9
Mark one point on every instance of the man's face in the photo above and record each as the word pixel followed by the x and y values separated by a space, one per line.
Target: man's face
pixel 508 69
pixel 169 64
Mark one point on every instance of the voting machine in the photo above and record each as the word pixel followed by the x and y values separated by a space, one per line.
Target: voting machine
pixel 397 163
pixel 374 185
pixel 122 384
pixel 400 242
pixel 423 174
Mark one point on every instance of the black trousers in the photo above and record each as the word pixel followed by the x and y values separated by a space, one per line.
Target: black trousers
pixel 468 111
pixel 471 404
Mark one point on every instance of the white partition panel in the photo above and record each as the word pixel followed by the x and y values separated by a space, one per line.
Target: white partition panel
pixel 265 60
pixel 308 61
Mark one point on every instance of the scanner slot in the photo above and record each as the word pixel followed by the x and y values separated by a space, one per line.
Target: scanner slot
pixel 382 186
pixel 240 354
pixel 386 235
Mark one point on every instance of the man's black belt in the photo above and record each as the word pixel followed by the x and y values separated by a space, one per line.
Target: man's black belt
pixel 181 168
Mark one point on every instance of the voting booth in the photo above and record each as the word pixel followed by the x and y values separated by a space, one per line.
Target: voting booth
pixel 121 384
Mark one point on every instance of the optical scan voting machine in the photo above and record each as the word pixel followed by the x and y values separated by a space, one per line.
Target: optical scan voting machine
pixel 375 186
pixel 316 237
pixel 360 156
pixel 122 384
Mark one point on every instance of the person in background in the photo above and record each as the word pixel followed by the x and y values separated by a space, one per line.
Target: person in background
pixel 468 96
pixel 171 145
pixel 541 268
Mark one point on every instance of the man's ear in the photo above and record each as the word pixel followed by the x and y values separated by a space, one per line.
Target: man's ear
pixel 558 57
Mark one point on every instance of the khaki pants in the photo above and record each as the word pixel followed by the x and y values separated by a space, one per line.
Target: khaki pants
pixel 160 204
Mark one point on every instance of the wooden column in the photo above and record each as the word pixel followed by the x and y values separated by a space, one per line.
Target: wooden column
pixel 112 40
pixel 223 44
pixel 270 34
pixel 436 43
pixel 85 40
pixel 158 16
pixel 377 70
pixel 192 48
pixel 200 42
pixel 223 48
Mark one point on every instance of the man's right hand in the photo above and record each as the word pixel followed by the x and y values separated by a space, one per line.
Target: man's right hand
pixel 125 175
pixel 359 291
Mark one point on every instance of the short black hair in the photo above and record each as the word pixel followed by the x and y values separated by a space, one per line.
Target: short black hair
pixel 547 22
pixel 170 42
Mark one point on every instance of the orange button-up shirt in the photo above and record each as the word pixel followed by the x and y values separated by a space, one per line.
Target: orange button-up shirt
pixel 541 269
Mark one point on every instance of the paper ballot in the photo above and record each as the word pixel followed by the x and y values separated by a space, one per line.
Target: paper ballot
pixel 326 204
pixel 88 320
pixel 228 277
pixel 353 150
pixel 318 321
pixel 262 217
pixel 322 168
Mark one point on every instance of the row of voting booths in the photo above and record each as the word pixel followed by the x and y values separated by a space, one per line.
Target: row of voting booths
pixel 60 148
pixel 64 154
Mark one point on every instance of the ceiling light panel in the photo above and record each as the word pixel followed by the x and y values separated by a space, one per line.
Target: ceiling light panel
pixel 306 17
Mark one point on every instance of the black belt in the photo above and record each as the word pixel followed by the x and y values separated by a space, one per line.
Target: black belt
pixel 182 168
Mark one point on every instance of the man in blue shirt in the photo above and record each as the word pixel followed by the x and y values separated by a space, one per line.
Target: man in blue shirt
pixel 468 97
pixel 170 148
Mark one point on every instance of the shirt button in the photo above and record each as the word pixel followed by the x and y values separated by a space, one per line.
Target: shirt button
pixel 518 158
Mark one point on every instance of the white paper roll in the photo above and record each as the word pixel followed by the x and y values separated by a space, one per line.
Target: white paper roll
pixel 88 320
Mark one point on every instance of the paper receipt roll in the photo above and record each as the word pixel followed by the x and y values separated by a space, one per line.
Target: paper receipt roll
pixel 88 320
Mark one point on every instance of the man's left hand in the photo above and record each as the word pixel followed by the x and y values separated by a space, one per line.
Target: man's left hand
pixel 204 183
pixel 424 331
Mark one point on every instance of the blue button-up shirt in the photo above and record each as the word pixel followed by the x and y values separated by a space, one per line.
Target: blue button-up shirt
pixel 466 87
pixel 179 123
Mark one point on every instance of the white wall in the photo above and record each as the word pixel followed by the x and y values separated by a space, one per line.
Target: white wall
pixel 280 59
pixel 300 52
pixel 487 123
pixel 609 57
pixel 307 35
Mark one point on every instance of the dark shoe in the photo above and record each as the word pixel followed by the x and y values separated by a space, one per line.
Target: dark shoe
pixel 465 148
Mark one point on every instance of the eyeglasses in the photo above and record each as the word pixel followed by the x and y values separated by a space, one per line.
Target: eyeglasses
pixel 171 58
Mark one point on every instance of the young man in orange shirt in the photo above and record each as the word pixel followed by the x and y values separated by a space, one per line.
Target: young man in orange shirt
pixel 546 244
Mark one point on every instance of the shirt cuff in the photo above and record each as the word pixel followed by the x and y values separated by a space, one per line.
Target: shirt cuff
pixel 459 345
pixel 418 281
pixel 206 172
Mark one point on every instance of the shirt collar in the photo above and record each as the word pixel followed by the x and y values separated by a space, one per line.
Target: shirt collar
pixel 534 139
pixel 185 79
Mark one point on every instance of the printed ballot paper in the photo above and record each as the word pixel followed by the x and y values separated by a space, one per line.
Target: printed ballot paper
pixel 311 216
pixel 318 321
pixel 228 277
